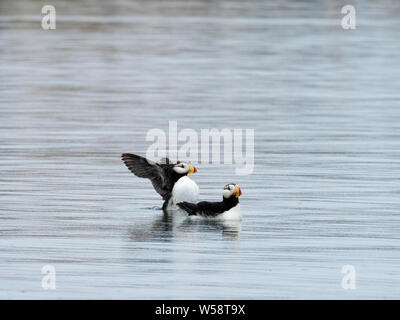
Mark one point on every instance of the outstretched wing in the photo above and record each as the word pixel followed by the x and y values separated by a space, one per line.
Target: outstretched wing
pixel 143 168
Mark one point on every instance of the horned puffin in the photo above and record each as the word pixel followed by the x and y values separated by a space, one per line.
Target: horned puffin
pixel 169 180
pixel 227 209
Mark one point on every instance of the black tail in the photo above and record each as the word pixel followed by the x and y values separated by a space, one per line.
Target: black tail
pixel 190 208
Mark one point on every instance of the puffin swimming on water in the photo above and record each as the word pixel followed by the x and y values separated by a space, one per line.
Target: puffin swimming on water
pixel 227 209
pixel 168 179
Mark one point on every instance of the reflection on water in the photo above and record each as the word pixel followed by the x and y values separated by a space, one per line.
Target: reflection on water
pixel 323 103
pixel 177 225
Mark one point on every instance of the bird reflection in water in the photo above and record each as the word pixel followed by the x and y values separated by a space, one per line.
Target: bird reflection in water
pixel 177 225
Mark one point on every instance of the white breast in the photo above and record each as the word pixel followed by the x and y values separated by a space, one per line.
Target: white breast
pixel 232 214
pixel 185 189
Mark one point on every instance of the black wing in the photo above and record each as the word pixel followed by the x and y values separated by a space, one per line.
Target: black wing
pixel 203 208
pixel 190 208
pixel 157 173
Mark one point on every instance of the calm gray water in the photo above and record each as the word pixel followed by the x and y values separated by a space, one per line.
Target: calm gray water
pixel 324 104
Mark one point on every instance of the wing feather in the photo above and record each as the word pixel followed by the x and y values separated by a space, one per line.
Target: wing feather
pixel 143 168
pixel 203 208
pixel 190 208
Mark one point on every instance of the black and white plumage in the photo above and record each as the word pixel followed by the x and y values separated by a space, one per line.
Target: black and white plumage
pixel 227 209
pixel 168 179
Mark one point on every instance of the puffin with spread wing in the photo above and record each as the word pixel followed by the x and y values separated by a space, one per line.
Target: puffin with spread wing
pixel 169 180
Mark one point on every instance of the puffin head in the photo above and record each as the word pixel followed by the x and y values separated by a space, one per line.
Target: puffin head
pixel 231 189
pixel 183 168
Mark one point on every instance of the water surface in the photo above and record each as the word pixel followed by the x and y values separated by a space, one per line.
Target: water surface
pixel 324 104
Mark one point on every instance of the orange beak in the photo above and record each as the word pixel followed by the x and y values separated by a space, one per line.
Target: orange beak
pixel 238 192
pixel 192 169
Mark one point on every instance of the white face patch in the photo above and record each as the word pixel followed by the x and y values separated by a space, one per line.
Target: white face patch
pixel 226 193
pixel 181 168
pixel 228 190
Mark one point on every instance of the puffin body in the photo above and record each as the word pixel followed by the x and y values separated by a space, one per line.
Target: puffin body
pixel 232 214
pixel 168 179
pixel 185 189
pixel 227 209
